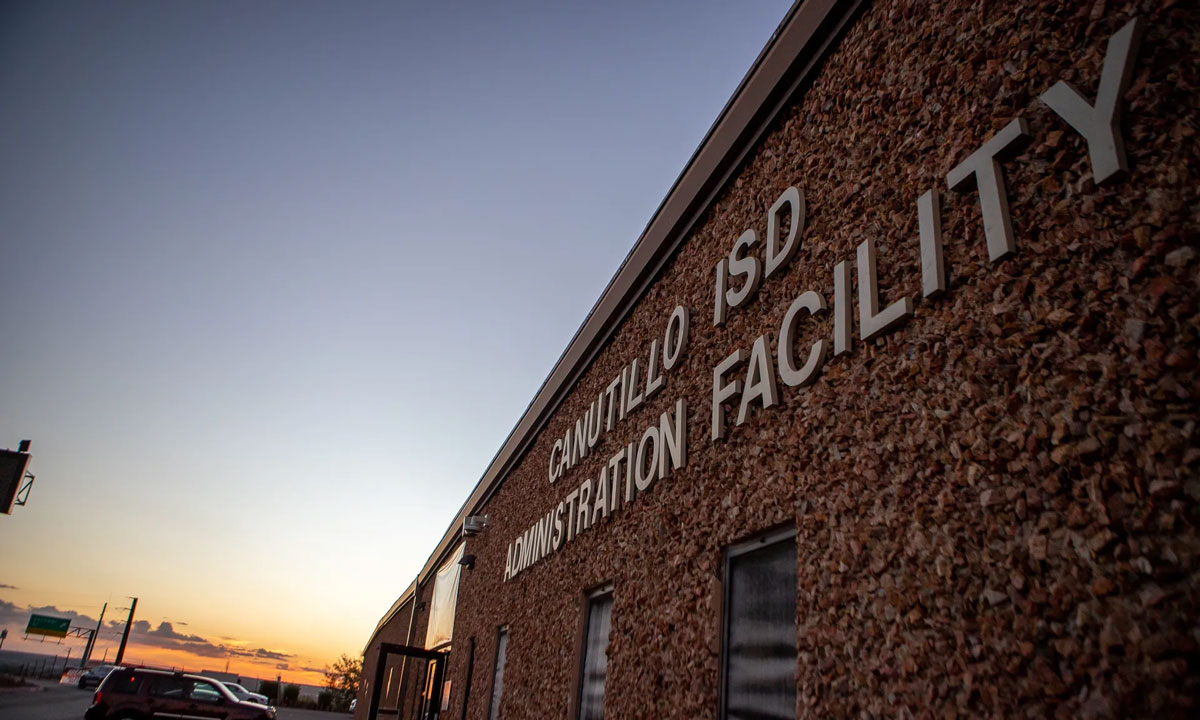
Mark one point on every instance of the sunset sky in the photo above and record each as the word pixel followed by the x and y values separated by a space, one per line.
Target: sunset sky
pixel 279 277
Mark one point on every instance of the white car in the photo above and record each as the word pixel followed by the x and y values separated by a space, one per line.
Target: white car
pixel 243 694
pixel 94 676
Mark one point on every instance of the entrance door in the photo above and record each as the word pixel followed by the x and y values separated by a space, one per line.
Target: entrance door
pixel 431 698
pixel 432 693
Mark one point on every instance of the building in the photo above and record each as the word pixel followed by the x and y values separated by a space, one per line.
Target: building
pixel 889 412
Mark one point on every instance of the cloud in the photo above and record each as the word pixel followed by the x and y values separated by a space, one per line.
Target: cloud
pixel 270 654
pixel 12 614
pixel 8 612
pixel 167 630
pixel 3 586
pixel 165 636
pixel 202 648
pixel 142 633
pixel 118 626
pixel 76 618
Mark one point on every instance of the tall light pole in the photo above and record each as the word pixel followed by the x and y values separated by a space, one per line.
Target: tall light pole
pixel 91 643
pixel 125 635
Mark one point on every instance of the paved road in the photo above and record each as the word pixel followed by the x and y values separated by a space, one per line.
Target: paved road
pixel 66 702
pixel 56 702
pixel 297 714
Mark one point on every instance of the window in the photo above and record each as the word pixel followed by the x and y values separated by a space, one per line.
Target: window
pixel 595 656
pixel 205 692
pixel 445 597
pixel 123 684
pixel 418 695
pixel 759 649
pixel 498 677
pixel 170 687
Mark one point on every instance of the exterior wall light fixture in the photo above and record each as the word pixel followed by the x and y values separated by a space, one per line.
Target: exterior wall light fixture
pixel 474 524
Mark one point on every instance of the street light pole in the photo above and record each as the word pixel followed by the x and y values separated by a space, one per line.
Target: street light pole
pixel 91 643
pixel 125 635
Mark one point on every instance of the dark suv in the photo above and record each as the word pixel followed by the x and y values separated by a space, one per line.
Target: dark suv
pixel 142 694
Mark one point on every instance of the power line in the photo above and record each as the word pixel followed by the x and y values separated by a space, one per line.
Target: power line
pixel 56 593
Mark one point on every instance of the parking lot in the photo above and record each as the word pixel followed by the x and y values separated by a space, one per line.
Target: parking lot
pixel 45 701
pixel 51 701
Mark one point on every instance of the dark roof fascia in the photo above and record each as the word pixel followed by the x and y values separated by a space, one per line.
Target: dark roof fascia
pixel 391 613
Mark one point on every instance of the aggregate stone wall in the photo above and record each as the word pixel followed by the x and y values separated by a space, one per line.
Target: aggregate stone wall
pixel 394 631
pixel 415 679
pixel 410 686
pixel 995 504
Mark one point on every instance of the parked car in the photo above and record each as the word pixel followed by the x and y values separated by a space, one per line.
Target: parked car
pixel 242 693
pixel 94 676
pixel 143 693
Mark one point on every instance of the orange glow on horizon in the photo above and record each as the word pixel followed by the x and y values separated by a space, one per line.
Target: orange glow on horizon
pixel 148 655
pixel 300 670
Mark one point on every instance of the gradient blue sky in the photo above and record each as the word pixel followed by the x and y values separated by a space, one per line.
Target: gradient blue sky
pixel 279 277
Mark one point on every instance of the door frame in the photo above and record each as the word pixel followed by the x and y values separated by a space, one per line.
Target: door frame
pixel 386 649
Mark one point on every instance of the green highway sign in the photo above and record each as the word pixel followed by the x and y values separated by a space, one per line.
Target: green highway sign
pixel 46 625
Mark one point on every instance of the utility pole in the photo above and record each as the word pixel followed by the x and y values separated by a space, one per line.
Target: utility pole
pixel 91 643
pixel 125 636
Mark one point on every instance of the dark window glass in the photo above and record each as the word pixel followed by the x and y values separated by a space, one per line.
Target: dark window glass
pixel 498 677
pixel 760 632
pixel 125 683
pixel 595 658
pixel 170 688
pixel 418 695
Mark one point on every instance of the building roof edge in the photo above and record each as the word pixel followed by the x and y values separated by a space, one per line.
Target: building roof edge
pixel 794 48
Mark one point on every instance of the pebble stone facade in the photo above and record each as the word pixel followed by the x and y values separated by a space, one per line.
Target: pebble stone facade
pixel 994 500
